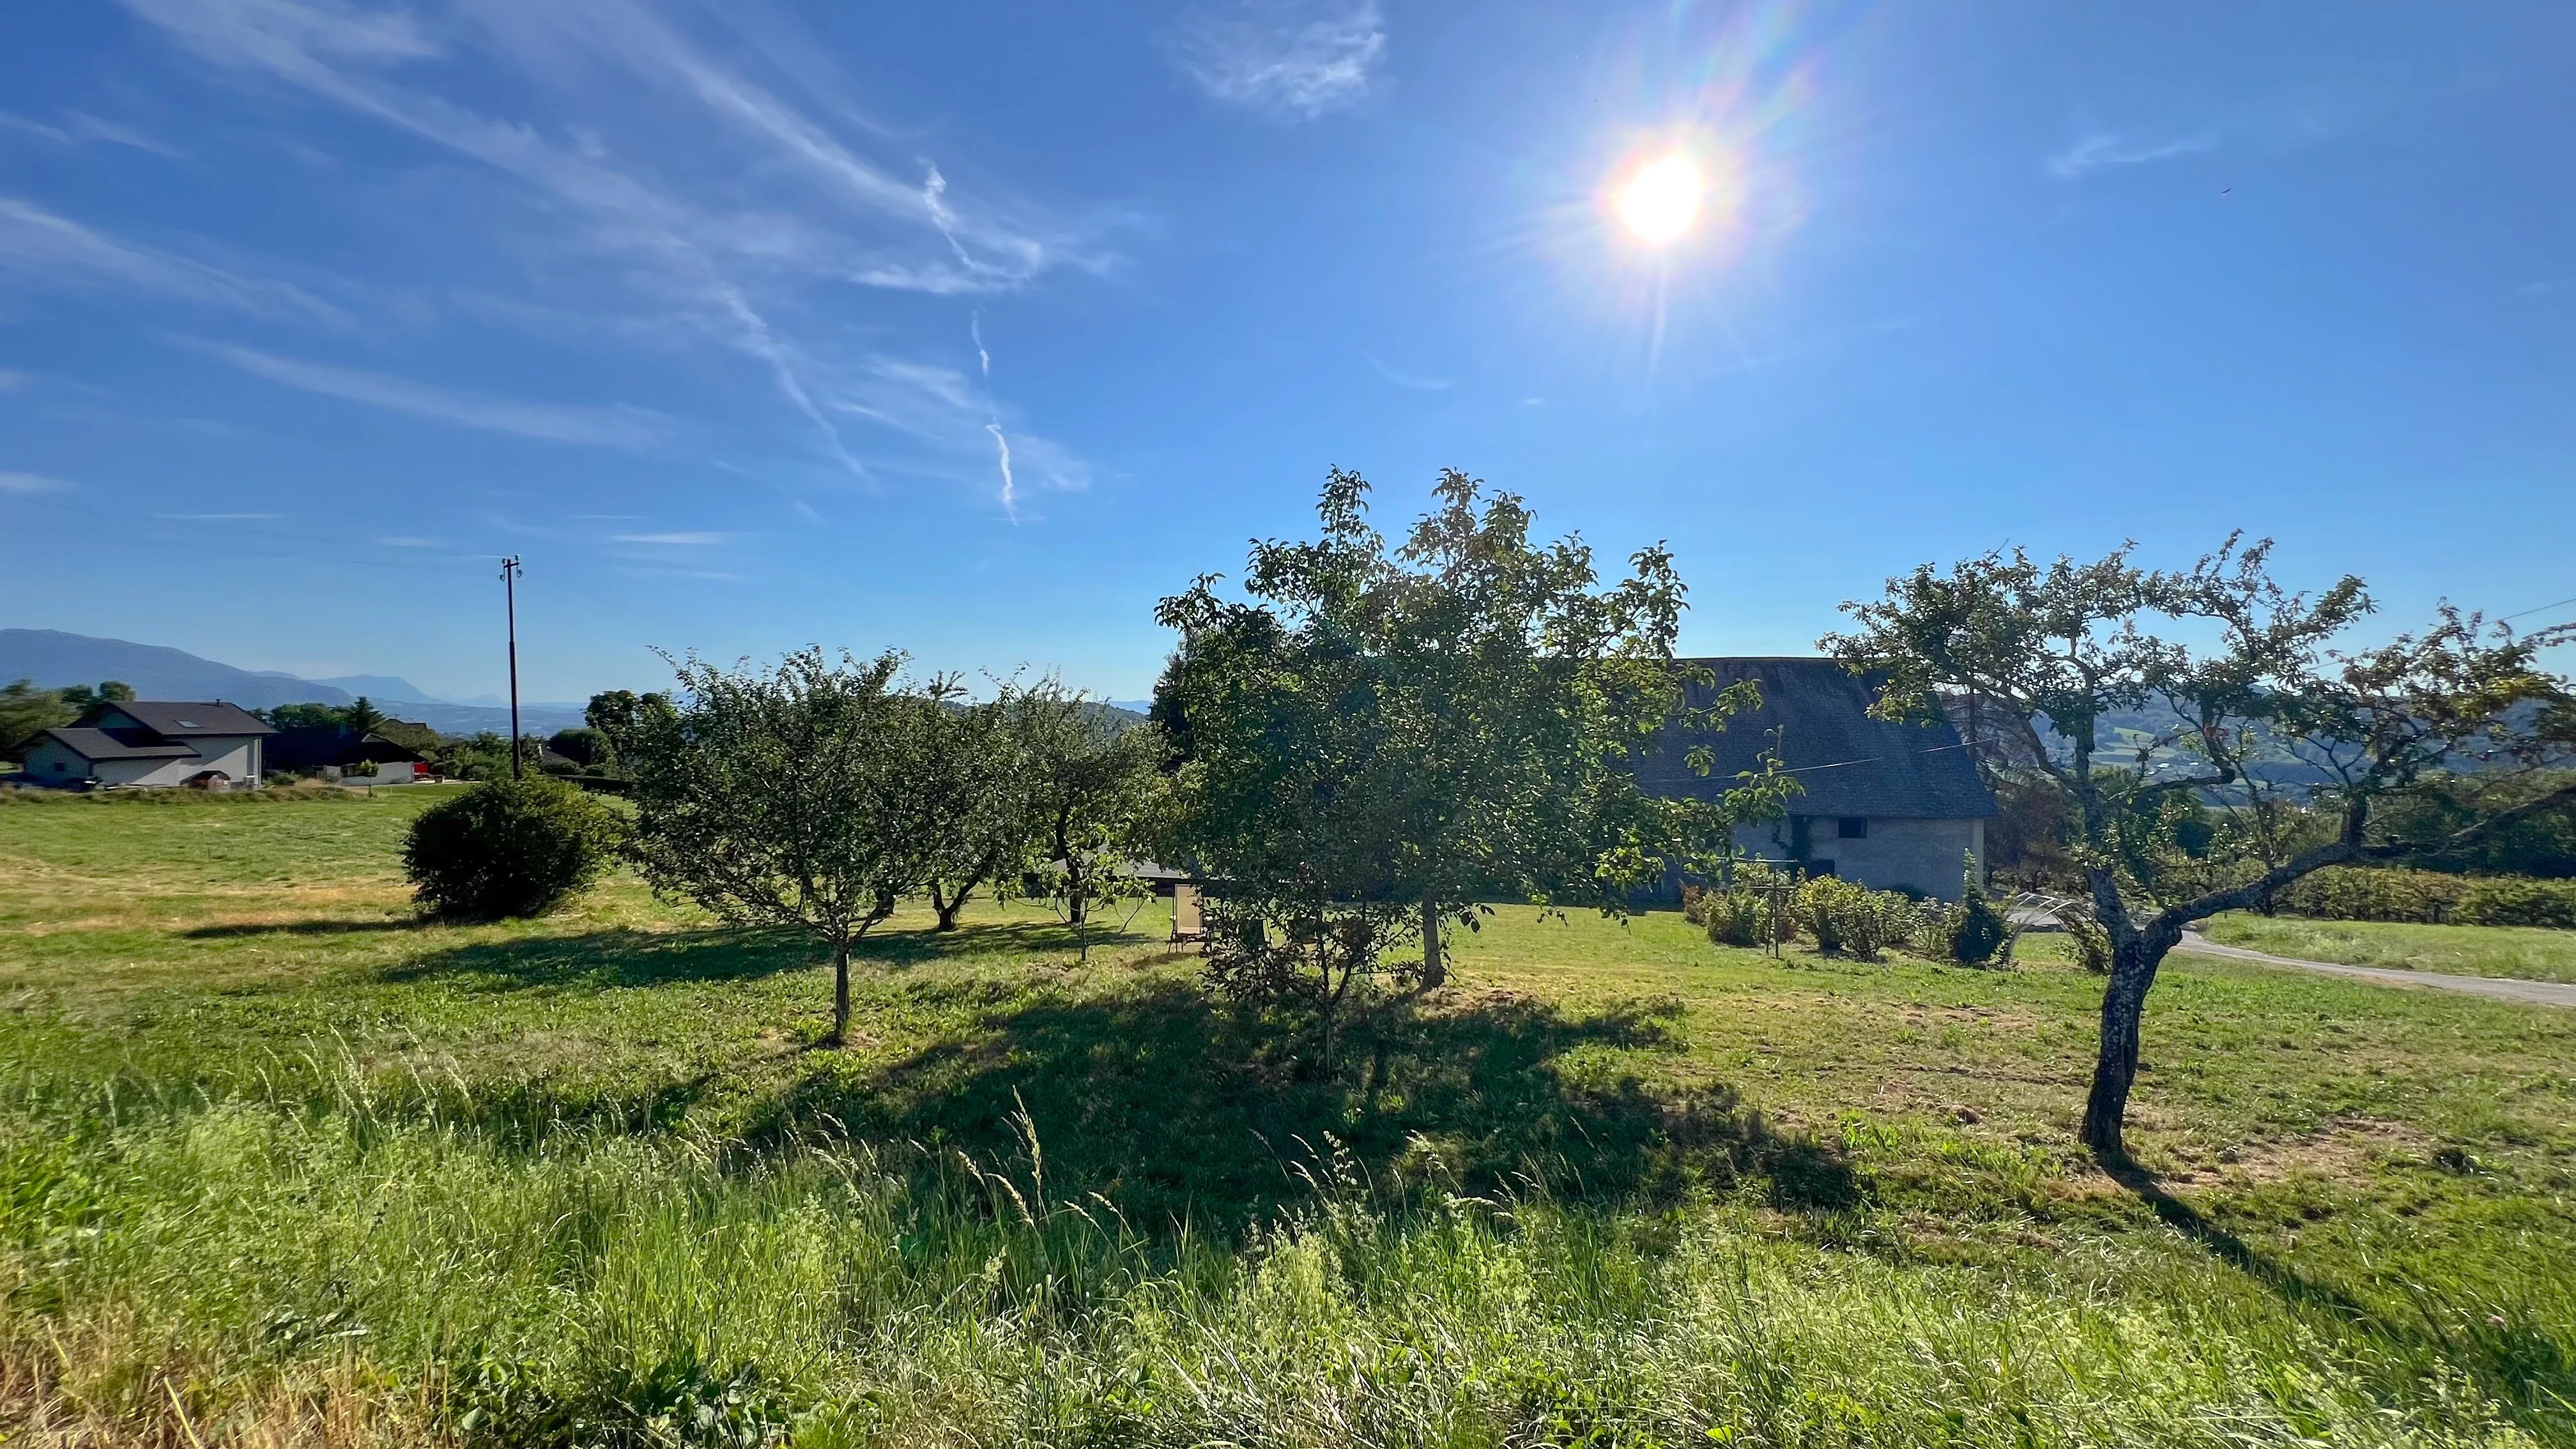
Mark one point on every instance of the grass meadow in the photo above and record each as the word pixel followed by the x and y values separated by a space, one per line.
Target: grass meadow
pixel 282 1164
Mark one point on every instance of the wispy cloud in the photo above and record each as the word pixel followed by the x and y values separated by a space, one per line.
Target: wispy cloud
pixel 843 217
pixel 2102 150
pixel 945 413
pixel 215 517
pixel 1414 380
pixel 1290 58
pixel 80 128
pixel 12 381
pixel 682 540
pixel 399 541
pixel 1010 489
pixel 31 483
pixel 617 427
pixel 53 249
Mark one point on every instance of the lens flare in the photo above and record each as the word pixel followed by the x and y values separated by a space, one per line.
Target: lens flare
pixel 1662 199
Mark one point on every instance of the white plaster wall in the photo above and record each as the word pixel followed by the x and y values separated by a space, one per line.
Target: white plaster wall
pixel 1923 856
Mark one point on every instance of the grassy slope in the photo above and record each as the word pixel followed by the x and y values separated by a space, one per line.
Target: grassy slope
pixel 2523 952
pixel 273 1148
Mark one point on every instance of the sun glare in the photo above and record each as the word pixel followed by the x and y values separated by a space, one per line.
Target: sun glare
pixel 1661 201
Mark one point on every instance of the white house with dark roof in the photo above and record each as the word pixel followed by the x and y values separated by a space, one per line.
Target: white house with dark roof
pixel 138 743
pixel 1891 804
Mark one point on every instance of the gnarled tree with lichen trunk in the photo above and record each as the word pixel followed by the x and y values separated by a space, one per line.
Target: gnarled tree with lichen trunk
pixel 2257 694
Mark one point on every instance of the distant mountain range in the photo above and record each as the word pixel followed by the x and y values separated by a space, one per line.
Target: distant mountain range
pixel 54 659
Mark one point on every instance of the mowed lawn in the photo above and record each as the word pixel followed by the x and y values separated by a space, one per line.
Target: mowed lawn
pixel 2527 953
pixel 280 1162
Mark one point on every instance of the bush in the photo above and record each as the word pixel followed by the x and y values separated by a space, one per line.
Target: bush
pixel 2510 902
pixel 1735 918
pixel 1849 918
pixel 1973 931
pixel 2359 893
pixel 508 848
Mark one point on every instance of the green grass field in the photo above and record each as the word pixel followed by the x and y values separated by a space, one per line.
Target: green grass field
pixel 281 1164
pixel 2525 952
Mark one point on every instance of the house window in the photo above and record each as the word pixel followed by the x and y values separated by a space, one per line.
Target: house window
pixel 1852 827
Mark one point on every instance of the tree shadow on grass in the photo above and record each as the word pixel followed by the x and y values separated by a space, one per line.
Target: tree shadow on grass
pixel 305 928
pixel 603 960
pixel 1176 1108
pixel 2530 1370
pixel 628 958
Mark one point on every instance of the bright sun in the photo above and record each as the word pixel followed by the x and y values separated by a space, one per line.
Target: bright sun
pixel 1661 201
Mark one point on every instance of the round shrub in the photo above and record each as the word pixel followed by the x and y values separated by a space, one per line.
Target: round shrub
pixel 1975 931
pixel 508 848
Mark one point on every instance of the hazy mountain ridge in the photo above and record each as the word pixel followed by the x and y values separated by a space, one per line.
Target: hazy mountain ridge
pixel 55 659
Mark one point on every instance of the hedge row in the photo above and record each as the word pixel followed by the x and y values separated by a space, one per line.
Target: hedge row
pixel 2354 893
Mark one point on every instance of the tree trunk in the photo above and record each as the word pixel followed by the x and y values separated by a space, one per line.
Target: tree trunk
pixel 2124 1002
pixel 840 992
pixel 1435 971
pixel 948 905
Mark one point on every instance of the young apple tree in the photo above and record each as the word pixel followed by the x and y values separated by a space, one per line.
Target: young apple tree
pixel 788 797
pixel 2195 817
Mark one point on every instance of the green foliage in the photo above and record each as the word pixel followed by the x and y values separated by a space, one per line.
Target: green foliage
pixel 1426 724
pixel 1974 931
pixel 1847 918
pixel 2177 828
pixel 585 747
pixel 2541 844
pixel 81 696
pixel 508 848
pixel 26 711
pixel 786 798
pixel 2091 943
pixel 481 756
pixel 2518 903
pixel 1742 913
pixel 2373 893
pixel 1080 798
pixel 303 716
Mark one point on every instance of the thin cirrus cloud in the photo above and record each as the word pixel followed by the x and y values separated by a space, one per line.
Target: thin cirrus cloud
pixel 617 427
pixel 11 482
pixel 79 128
pixel 2097 151
pixel 49 249
pixel 1293 59
pixel 677 540
pixel 790 204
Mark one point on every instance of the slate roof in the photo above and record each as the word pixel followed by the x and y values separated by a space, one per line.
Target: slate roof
pixel 181 719
pixel 95 745
pixel 1849 763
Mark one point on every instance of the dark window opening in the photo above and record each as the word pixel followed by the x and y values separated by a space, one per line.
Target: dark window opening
pixel 1852 827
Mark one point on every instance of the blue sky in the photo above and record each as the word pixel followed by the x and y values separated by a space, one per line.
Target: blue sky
pixel 973 330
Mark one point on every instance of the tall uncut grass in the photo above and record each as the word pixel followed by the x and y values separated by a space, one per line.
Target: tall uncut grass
pixel 359 1261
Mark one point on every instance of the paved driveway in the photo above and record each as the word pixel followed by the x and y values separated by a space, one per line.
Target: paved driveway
pixel 2547 993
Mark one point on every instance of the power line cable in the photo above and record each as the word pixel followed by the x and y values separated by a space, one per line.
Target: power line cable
pixel 2543 609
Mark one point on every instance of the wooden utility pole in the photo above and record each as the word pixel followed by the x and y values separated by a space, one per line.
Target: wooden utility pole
pixel 510 597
